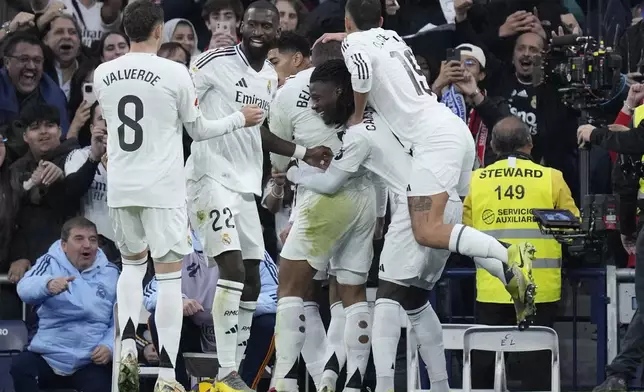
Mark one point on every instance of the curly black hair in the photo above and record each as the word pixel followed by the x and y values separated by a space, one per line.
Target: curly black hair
pixel 336 72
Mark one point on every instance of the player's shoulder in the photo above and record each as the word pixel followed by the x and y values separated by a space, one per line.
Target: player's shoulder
pixel 215 57
pixel 298 81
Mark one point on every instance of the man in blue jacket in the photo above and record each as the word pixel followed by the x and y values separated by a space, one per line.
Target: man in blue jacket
pixel 74 288
pixel 198 283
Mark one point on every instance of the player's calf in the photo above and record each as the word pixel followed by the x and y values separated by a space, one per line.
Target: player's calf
pixel 247 307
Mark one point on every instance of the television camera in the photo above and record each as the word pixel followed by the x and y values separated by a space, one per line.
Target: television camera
pixel 585 237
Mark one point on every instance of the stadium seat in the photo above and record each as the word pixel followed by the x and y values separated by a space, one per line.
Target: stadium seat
pixel 508 339
pixel 452 340
pixel 13 340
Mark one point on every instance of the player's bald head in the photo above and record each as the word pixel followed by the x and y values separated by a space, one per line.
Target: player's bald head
pixel 511 134
pixel 325 51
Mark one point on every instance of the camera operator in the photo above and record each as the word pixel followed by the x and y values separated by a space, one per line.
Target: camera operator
pixel 500 202
pixel 623 140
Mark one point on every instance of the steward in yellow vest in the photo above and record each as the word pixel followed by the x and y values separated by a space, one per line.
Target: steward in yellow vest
pixel 499 203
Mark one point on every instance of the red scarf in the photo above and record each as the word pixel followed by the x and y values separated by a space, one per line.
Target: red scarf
pixel 479 132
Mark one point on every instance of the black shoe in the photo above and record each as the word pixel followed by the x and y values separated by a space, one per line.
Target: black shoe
pixel 612 384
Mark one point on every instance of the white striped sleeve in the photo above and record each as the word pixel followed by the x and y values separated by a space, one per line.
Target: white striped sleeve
pixel 359 64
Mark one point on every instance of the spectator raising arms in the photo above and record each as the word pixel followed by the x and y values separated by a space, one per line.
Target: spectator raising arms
pixel 74 287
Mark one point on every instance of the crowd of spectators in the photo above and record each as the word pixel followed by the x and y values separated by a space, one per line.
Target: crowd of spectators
pixel 54 168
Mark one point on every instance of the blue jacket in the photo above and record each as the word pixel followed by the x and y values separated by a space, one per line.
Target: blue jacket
pixel 73 323
pixel 198 282
pixel 49 90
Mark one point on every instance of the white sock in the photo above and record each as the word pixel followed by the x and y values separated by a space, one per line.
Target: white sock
pixel 225 315
pixel 357 339
pixel 335 338
pixel 168 317
pixel 315 342
pixel 428 332
pixel 289 338
pixel 246 313
pixel 129 296
pixel 495 267
pixel 471 242
pixel 386 334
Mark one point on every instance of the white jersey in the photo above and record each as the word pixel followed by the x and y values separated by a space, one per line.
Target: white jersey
pixel 145 100
pixel 291 118
pixel 382 65
pixel 225 83
pixel 371 145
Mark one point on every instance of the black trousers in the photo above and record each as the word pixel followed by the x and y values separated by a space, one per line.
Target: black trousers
pixel 532 368
pixel 31 373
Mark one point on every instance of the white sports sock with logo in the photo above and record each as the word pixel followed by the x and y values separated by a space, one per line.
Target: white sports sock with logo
pixel 225 316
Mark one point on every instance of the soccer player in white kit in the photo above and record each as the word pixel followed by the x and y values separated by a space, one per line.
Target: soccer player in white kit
pixel 384 73
pixel 224 175
pixel 146 100
pixel 407 269
pixel 291 118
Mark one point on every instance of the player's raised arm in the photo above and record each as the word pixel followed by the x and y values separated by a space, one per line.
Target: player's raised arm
pixel 359 64
pixel 201 128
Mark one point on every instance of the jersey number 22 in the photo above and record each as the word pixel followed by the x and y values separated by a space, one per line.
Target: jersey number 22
pixel 131 123
pixel 413 70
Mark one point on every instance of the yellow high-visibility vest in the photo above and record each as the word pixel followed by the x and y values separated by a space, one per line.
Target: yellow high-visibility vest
pixel 638 115
pixel 503 195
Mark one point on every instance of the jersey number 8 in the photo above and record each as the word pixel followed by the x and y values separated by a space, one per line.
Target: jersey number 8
pixel 413 70
pixel 131 123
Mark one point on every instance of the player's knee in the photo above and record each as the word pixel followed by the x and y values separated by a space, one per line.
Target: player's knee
pixel 170 257
pixel 392 291
pixel 231 266
pixel 133 255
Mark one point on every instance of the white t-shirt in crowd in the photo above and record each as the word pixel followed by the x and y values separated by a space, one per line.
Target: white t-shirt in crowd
pixel 145 101
pixel 92 25
pixel 225 83
pixel 95 200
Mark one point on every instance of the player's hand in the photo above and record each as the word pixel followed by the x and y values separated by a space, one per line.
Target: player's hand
pixel 58 285
pixel 618 128
pixel 191 306
pixel 219 40
pixel 102 355
pixel 326 37
pixel 284 233
pixel 18 269
pixel 253 115
pixel 99 143
pixel 50 173
pixel 318 157
pixel 380 228
pixel 584 132
pixel 629 244
pixel 279 179
pixel 451 72
pixel 518 22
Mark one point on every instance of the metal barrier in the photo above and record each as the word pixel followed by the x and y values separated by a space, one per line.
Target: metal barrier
pixel 619 286
pixel 598 314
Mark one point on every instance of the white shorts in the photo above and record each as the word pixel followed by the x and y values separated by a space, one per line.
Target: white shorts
pixel 404 261
pixel 161 229
pixel 334 233
pixel 445 162
pixel 224 220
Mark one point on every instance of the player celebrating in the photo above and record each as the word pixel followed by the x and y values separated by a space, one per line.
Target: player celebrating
pixel 146 100
pixel 385 73
pixel 291 118
pixel 225 174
